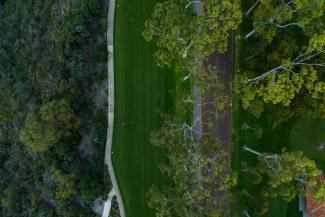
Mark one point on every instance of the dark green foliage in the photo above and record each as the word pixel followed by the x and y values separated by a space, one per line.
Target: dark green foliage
pixel 49 62
pixel 47 126
pixel 90 188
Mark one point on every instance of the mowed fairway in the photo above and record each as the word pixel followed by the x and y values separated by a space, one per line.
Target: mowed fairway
pixel 142 91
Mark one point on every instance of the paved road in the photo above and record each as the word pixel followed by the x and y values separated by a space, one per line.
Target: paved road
pixel 111 103
pixel 221 128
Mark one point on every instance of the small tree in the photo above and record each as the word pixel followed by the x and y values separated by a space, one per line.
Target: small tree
pixel 65 185
pixel 46 126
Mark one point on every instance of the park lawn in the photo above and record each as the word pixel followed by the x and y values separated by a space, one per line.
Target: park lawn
pixel 306 135
pixel 145 94
pixel 142 92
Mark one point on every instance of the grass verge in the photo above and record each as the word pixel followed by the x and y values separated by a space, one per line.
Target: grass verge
pixel 142 92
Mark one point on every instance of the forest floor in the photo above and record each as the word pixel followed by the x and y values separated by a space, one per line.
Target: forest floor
pixel 142 92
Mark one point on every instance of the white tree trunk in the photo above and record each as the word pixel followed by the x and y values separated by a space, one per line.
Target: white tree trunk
pixel 287 25
pixel 186 50
pixel 252 8
pixel 250 33
pixel 192 2
pixel 251 150
pixel 245 212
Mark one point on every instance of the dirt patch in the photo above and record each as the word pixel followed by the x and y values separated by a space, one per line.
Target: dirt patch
pixel 85 146
pixel 100 96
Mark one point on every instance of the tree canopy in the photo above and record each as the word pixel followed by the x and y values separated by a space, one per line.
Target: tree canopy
pixel 287 174
pixel 198 170
pixel 294 82
pixel 53 56
pixel 46 126
pixel 270 16
pixel 180 33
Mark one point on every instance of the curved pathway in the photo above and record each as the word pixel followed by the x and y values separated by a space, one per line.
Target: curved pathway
pixel 111 103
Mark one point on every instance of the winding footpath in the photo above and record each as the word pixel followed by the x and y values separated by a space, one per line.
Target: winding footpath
pixel 111 103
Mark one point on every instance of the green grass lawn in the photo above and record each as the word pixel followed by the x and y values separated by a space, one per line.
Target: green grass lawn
pixel 142 91
pixel 306 135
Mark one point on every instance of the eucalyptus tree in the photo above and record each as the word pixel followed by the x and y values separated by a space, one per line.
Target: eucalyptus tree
pixel 47 125
pixel 269 16
pixel 66 186
pixel 289 82
pixel 197 173
pixel 216 95
pixel 181 34
pixel 287 174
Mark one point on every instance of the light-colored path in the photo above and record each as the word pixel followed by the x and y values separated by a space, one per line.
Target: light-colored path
pixel 108 203
pixel 111 103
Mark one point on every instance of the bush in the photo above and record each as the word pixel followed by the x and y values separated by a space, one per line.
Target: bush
pixel 90 188
pixel 46 126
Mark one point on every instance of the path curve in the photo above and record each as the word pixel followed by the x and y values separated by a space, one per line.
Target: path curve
pixel 111 104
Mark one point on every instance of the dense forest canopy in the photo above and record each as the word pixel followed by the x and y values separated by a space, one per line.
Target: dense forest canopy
pixel 52 59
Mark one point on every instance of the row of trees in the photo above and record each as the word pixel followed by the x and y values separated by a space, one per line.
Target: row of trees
pixel 185 34
pixel 51 54
pixel 282 74
pixel 199 172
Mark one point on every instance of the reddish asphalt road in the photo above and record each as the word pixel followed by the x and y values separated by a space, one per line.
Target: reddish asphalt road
pixel 222 128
